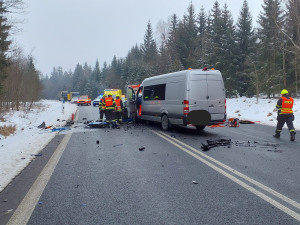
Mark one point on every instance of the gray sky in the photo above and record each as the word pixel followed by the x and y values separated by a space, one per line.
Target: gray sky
pixel 67 32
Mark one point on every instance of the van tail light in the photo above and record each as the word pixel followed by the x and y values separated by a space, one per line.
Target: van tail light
pixel 225 105
pixel 186 107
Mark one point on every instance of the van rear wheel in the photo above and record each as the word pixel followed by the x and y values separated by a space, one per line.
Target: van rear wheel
pixel 165 123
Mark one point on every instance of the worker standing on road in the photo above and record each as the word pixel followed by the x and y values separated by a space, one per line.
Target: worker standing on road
pixel 109 112
pixel 118 109
pixel 285 114
pixel 102 107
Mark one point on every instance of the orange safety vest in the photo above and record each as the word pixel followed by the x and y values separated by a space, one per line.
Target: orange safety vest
pixel 108 101
pixel 287 105
pixel 118 104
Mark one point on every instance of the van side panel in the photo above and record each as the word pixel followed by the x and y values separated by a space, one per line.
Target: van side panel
pixel 175 93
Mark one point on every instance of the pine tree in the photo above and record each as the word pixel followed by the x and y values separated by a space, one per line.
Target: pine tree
pixel 269 49
pixel 148 48
pixel 173 63
pixel 187 45
pixel 292 29
pixel 4 43
pixel 246 42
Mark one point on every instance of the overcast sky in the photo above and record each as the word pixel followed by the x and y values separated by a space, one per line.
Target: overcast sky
pixel 66 32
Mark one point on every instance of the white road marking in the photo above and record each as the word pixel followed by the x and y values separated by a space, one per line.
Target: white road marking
pixel 23 212
pixel 236 180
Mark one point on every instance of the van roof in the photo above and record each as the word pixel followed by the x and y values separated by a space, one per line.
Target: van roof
pixel 184 73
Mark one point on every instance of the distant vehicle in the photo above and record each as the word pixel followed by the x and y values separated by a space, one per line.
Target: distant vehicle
pixel 63 96
pixel 113 92
pixel 195 97
pixel 74 100
pixel 97 100
pixel 84 100
pixel 73 94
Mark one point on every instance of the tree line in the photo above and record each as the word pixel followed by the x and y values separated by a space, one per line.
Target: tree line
pixel 20 84
pixel 253 61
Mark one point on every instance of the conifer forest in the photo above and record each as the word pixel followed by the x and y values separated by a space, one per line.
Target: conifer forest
pixel 254 61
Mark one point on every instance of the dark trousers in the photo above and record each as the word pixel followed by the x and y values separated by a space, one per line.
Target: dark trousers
pixel 285 118
pixel 109 114
pixel 118 116
pixel 102 112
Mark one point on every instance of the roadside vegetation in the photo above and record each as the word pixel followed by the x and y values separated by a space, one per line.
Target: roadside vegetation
pixel 7 130
pixel 20 83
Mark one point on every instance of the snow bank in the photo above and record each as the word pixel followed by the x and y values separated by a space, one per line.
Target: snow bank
pixel 16 150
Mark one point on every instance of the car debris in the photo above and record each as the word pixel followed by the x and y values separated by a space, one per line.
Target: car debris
pixel 117 145
pixel 142 148
pixel 194 182
pixel 42 125
pixel 93 124
pixel 39 154
pixel 215 143
pixel 246 122
pixel 233 122
pixel 61 129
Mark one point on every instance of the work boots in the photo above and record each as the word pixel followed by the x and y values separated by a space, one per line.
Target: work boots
pixel 293 136
pixel 276 135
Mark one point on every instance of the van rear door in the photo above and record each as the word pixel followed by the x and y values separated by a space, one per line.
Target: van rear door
pixel 131 104
pixel 216 96
pixel 198 98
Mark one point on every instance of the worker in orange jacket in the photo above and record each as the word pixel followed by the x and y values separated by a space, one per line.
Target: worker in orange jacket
pixel 102 107
pixel 118 109
pixel 285 114
pixel 110 107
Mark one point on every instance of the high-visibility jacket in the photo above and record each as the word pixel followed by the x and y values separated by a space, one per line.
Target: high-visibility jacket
pixel 102 104
pixel 110 103
pixel 118 105
pixel 287 105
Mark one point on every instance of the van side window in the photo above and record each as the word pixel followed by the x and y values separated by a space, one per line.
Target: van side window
pixel 155 92
pixel 148 93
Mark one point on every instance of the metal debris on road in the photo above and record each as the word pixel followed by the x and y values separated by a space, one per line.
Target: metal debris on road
pixel 215 143
pixel 194 182
pixel 40 154
pixel 142 148
pixel 117 145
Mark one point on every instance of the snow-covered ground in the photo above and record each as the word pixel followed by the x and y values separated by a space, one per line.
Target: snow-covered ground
pixel 17 150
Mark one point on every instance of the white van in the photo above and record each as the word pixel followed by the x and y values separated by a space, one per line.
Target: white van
pixel 194 96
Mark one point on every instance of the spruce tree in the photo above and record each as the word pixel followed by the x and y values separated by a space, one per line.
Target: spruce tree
pixel 148 48
pixel 187 44
pixel 4 43
pixel 246 42
pixel 292 29
pixel 269 49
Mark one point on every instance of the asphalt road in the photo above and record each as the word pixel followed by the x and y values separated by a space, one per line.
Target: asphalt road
pixel 255 180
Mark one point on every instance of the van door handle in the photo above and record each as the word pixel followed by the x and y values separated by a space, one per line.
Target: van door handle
pixel 195 102
pixel 211 106
pixel 207 97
